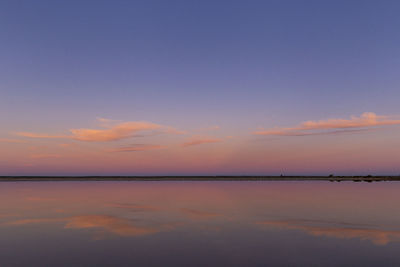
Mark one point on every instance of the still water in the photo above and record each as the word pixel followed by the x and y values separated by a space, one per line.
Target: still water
pixel 294 223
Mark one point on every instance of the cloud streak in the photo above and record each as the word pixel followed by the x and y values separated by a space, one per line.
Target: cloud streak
pixel 112 131
pixel 200 141
pixel 45 156
pixel 137 148
pixel 38 135
pixel 14 141
pixel 366 121
pixel 116 132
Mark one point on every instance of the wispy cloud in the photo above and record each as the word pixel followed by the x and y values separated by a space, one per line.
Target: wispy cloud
pixel 107 122
pixel 65 145
pixel 172 130
pixel 116 132
pixel 211 128
pixel 200 141
pixel 215 127
pixel 137 147
pixel 6 215
pixel 112 130
pixel 367 120
pixel 45 156
pixel 39 135
pixel 8 140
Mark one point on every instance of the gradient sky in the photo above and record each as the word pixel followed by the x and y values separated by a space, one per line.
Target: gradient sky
pixel 199 87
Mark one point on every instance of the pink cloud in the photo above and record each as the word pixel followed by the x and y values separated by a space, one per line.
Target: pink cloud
pixel 45 156
pixel 137 147
pixel 211 128
pixel 107 122
pixel 112 131
pixel 116 132
pixel 200 141
pixel 172 130
pixel 65 145
pixel 366 120
pixel 7 140
pixel 38 135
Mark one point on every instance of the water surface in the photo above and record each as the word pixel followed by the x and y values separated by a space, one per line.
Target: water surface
pixel 295 223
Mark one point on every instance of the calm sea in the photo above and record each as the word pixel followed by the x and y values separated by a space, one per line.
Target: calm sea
pixel 296 223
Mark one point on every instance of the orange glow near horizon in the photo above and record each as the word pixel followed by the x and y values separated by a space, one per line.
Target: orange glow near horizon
pixel 144 148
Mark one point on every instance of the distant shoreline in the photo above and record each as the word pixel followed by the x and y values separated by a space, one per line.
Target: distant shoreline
pixel 368 178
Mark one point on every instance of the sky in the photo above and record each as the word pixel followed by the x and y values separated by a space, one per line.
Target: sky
pixel 199 87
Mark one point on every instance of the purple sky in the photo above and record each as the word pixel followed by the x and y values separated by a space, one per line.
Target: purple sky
pixel 203 77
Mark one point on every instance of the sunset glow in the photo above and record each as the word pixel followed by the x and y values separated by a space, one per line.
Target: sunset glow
pixel 226 88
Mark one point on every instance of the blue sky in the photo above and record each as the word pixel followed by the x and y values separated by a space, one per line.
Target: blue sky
pixel 191 64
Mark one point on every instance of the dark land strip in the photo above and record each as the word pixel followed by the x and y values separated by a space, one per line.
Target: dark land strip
pixel 331 178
